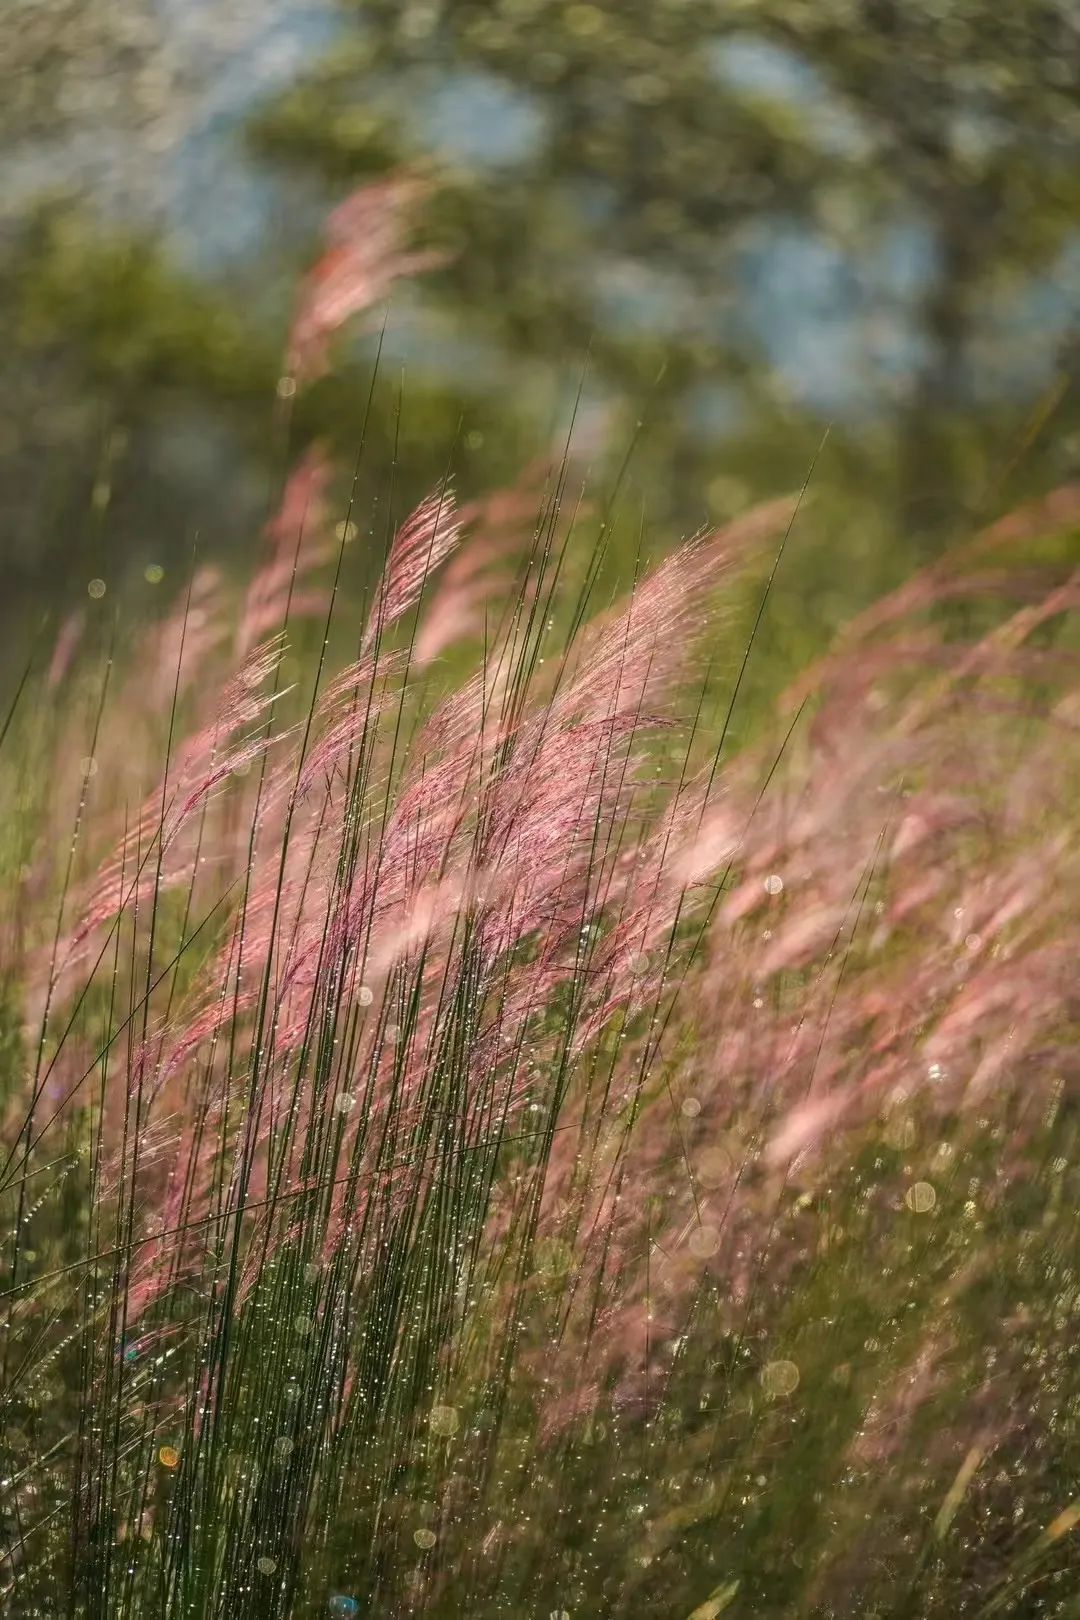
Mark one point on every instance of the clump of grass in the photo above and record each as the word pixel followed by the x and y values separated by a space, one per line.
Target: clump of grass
pixel 488 1151
pixel 495 1150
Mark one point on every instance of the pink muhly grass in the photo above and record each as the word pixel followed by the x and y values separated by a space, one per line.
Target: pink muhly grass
pixel 421 544
pixel 64 648
pixel 517 831
pixel 496 834
pixel 533 991
pixel 836 982
pixel 300 543
pixel 203 762
pixel 365 255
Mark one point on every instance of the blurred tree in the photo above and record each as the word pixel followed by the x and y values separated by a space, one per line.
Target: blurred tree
pixel 904 179
pixel 755 217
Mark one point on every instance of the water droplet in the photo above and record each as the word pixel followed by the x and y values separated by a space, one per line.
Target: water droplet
pixel 96 589
pixel 920 1197
pixel 774 883
pixel 714 1167
pixel 780 1378
pixel 425 1539
pixel 900 1133
pixel 342 1607
pixel 704 1241
pixel 444 1420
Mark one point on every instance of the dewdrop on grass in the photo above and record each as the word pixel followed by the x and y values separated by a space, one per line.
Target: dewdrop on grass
pixel 779 1378
pixel 704 1241
pixel 444 1420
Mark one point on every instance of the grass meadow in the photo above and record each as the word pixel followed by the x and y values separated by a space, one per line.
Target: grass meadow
pixel 487 1132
